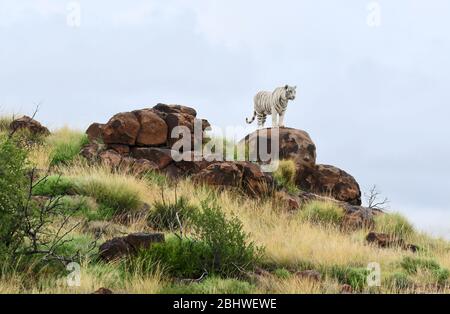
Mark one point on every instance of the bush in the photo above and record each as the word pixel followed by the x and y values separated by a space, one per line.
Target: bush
pixel 393 224
pixel 67 147
pixel 164 216
pixel 55 185
pixel 5 122
pixel 353 276
pixel 13 185
pixel 412 264
pixel 399 281
pixel 282 273
pixel 285 175
pixel 218 246
pixel 324 213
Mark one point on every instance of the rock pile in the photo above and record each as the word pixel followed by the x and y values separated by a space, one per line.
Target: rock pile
pixel 29 124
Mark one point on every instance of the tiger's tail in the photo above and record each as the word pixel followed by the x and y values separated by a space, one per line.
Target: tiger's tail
pixel 253 118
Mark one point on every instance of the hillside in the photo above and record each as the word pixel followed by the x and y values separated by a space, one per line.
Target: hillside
pixel 113 201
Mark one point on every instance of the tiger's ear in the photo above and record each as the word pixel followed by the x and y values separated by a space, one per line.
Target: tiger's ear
pixel 286 87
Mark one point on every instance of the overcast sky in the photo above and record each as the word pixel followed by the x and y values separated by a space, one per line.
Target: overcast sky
pixel 373 96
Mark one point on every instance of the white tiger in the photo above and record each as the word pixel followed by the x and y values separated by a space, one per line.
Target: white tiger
pixel 272 103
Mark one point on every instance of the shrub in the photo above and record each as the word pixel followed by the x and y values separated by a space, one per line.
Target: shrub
pixel 285 175
pixel 399 281
pixel 164 216
pixel 218 246
pixel 413 264
pixel 66 147
pixel 5 122
pixel 13 184
pixel 282 273
pixel 325 213
pixel 55 185
pixel 353 276
pixel 228 243
pixel 393 224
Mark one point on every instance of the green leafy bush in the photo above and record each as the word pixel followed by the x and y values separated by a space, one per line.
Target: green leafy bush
pixel 164 216
pixel 218 245
pixel 413 264
pixel 324 213
pixel 13 187
pixel 399 281
pixel 394 224
pixel 353 276
pixel 282 273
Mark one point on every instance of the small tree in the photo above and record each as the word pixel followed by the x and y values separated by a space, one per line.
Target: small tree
pixel 25 224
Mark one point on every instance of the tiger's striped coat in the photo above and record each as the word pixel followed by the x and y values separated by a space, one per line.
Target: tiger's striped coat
pixel 272 103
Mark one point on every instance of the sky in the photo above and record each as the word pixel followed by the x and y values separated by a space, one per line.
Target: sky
pixel 373 77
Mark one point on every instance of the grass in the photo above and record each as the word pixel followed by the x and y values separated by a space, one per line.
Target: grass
pixel 308 239
pixel 285 175
pixel 322 213
pixel 66 145
pixel 394 224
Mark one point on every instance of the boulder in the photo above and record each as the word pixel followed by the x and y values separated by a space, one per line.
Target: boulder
pixel 29 124
pixel 293 144
pixel 162 157
pixel 122 246
pixel 153 131
pixel 287 201
pixel 90 152
pixel 220 174
pixel 111 158
pixel 102 291
pixel 175 109
pixel 123 150
pixel 123 128
pixel 330 180
pixel 94 132
pixel 384 240
pixel 357 217
pixel 254 181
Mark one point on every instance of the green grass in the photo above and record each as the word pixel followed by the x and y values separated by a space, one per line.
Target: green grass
pixel 163 216
pixel 285 176
pixel 66 148
pixel 322 213
pixel 353 276
pixel 5 121
pixel 394 224
pixel 55 185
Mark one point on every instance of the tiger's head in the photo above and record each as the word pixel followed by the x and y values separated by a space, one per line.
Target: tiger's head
pixel 290 92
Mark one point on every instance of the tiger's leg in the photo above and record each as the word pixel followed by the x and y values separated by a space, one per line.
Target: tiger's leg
pixel 261 120
pixel 274 118
pixel 281 122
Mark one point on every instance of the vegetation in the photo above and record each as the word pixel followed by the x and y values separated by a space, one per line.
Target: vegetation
pixel 221 241
pixel 285 175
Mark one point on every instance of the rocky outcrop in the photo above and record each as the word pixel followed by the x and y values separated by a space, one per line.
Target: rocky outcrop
pixel 330 180
pixel 244 175
pixel 29 124
pixel 293 144
pixel 387 241
pixel 132 243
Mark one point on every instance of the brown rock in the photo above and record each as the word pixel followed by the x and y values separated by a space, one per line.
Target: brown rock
pixel 119 247
pixel 254 181
pixel 289 202
pixel 220 174
pixel 358 218
pixel 153 129
pixel 312 275
pixel 142 166
pixel 123 128
pixel 162 157
pixel 325 179
pixel 103 291
pixel 293 144
pixel 90 152
pixel 123 150
pixel 386 241
pixel 94 132
pixel 110 158
pixel 175 109
pixel 27 123
pixel 346 289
